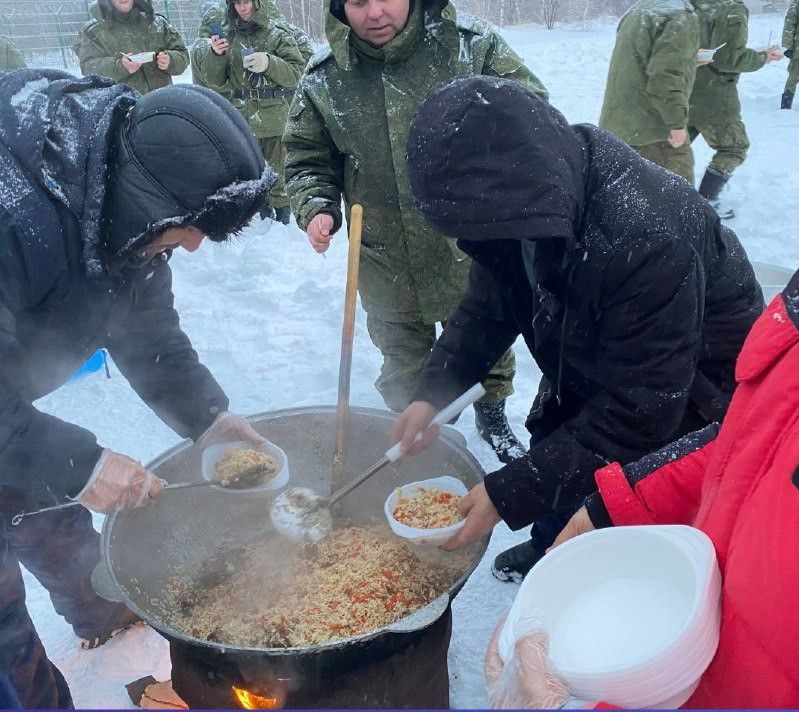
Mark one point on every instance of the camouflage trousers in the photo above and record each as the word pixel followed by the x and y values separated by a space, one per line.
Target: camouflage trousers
pixel 677 160
pixel 274 155
pixel 406 348
pixel 793 75
pixel 729 142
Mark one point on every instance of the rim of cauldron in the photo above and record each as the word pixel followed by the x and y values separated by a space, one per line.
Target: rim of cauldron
pixel 453 437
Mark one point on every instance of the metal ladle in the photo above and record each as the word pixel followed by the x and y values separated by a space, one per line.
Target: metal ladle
pixel 246 478
pixel 301 514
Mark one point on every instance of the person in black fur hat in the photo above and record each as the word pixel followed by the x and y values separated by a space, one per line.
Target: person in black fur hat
pixel 98 186
pixel 631 295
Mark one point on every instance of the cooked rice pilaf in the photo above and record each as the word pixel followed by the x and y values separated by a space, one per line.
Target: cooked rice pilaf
pixel 239 460
pixel 354 581
pixel 427 508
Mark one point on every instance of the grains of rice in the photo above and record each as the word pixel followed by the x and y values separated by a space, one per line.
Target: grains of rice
pixel 354 581
pixel 238 460
pixel 427 508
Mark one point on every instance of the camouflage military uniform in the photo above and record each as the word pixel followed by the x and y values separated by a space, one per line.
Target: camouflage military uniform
pixel 790 41
pixel 649 81
pixel 346 136
pixel 216 14
pixel 715 108
pixel 103 40
pixel 10 56
pixel 262 99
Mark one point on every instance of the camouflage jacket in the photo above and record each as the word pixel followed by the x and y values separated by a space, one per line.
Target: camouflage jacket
pixel 102 42
pixel 247 91
pixel 10 56
pixel 346 137
pixel 216 13
pixel 790 38
pixel 714 100
pixel 651 71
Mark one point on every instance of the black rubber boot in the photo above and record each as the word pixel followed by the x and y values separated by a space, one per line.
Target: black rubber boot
pixel 492 424
pixel 710 188
pixel 787 100
pixel 283 215
pixel 514 564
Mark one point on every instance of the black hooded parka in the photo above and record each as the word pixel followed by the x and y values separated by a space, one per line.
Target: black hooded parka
pixel 631 295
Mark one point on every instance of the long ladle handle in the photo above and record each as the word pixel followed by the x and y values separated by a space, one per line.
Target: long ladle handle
pixel 394 453
pixel 17 518
pixel 443 416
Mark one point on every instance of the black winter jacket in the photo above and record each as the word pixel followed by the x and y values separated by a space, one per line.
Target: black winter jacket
pixel 59 300
pixel 635 312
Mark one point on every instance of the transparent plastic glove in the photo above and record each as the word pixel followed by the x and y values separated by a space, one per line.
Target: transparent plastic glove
pixel 256 62
pixel 119 482
pixel 229 428
pixel 526 679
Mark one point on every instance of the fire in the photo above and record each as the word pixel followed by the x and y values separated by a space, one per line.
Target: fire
pixel 251 701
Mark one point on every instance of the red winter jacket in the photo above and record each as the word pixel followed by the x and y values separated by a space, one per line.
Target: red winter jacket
pixel 742 490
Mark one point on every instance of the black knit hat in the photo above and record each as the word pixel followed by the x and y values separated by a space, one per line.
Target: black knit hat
pixel 488 159
pixel 184 156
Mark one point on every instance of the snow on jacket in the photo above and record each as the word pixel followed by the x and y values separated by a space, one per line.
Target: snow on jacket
pixel 103 40
pixel 59 301
pixel 651 71
pixel 742 490
pixel 347 135
pixel 635 302
pixel 714 99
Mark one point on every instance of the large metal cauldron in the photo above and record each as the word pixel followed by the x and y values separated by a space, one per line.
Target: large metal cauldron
pixel 142 548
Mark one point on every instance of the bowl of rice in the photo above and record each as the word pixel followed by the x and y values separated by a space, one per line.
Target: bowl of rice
pixel 244 467
pixel 426 512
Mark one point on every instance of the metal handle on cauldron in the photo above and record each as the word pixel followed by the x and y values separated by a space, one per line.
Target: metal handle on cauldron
pixel 395 452
pixel 17 518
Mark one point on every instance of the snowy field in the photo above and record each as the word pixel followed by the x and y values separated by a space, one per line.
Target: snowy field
pixel 265 316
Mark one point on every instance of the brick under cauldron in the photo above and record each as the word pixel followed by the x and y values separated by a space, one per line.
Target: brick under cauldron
pixel 405 670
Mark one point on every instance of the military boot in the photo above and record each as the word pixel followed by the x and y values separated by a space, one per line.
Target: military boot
pixel 492 424
pixel 710 188
pixel 787 100
pixel 514 564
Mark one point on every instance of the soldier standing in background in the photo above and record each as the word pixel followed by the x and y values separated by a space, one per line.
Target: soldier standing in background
pixel 10 56
pixel 124 27
pixel 257 65
pixel 346 137
pixel 715 107
pixel 649 82
pixel 790 41
pixel 214 17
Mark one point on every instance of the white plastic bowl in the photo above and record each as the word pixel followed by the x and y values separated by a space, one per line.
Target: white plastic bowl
pixel 632 613
pixel 772 278
pixel 214 453
pixel 142 57
pixel 425 536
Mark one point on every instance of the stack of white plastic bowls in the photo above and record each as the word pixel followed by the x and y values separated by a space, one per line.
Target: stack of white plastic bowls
pixel 772 278
pixel 632 613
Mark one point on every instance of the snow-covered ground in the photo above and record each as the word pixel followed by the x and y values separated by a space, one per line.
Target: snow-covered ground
pixel 265 316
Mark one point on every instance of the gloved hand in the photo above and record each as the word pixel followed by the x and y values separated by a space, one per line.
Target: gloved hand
pixel 526 680
pixel 788 53
pixel 118 482
pixel 228 428
pixel 256 62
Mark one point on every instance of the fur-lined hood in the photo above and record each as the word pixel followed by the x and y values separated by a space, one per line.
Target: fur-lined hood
pixel 184 156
